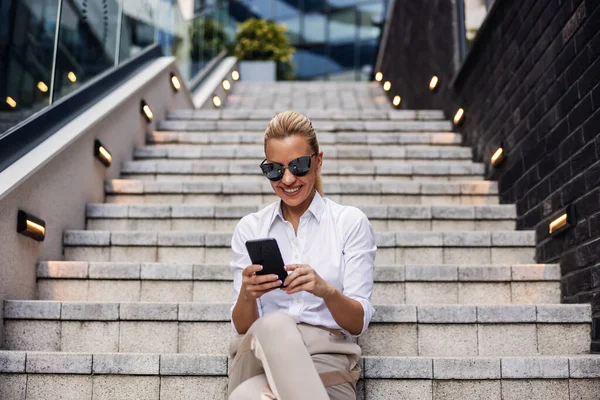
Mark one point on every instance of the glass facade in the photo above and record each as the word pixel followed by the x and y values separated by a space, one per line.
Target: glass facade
pixel 334 39
pixel 50 48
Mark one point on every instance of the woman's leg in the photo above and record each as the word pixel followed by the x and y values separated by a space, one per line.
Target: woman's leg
pixel 255 388
pixel 289 369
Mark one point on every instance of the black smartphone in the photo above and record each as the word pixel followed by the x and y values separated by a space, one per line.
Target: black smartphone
pixel 266 252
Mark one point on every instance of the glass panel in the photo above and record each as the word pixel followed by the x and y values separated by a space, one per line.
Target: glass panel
pixel 259 8
pixel 368 15
pixel 293 29
pixel 342 26
pixel 315 28
pixel 86 42
pixel 137 27
pixel 27 30
pixel 287 8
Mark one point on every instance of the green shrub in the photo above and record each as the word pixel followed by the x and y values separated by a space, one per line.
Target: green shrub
pixel 208 38
pixel 261 40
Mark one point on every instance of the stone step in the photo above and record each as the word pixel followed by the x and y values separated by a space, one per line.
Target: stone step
pixel 396 330
pixel 501 247
pixel 343 115
pixel 343 153
pixel 34 375
pixel 321 125
pixel 410 284
pixel 129 191
pixel 365 171
pixel 223 218
pixel 406 139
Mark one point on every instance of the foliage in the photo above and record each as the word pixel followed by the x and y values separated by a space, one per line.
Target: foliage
pixel 261 40
pixel 208 38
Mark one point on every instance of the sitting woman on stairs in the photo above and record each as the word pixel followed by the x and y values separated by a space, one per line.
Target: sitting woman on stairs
pixel 297 342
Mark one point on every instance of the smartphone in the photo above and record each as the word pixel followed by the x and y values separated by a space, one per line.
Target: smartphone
pixel 266 252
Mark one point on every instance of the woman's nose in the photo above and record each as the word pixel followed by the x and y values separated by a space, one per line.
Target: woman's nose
pixel 288 177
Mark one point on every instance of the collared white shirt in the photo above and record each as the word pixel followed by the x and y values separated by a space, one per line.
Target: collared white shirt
pixel 337 241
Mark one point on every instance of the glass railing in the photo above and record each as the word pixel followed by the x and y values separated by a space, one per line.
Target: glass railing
pixel 49 48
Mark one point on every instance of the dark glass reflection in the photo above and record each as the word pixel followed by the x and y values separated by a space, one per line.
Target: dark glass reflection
pixel 27 30
pixel 86 42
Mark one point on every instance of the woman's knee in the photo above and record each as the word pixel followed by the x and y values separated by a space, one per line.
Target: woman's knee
pixel 276 321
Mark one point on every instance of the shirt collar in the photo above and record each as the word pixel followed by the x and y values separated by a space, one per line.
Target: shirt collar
pixel 316 208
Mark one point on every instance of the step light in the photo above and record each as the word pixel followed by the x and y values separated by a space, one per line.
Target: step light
pixel 11 102
pixel 396 101
pixel 31 226
pixel 458 117
pixel 102 154
pixel 226 84
pixel 379 76
pixel 563 221
pixel 146 111
pixel 433 83
pixel 42 86
pixel 217 101
pixel 498 156
pixel 175 82
pixel 72 77
pixel 387 86
pixel 235 75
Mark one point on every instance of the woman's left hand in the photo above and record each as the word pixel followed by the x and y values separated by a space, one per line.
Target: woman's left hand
pixel 304 278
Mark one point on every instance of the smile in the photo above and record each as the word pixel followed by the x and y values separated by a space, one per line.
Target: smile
pixel 291 190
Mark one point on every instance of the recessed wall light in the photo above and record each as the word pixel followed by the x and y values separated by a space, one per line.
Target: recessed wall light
pixel 146 111
pixel 31 226
pixel 102 153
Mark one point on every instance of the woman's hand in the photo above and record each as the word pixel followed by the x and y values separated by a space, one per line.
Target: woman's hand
pixel 304 278
pixel 254 286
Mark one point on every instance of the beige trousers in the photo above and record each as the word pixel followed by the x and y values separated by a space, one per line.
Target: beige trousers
pixel 279 359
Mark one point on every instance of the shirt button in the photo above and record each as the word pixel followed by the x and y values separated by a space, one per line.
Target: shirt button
pixel 298 301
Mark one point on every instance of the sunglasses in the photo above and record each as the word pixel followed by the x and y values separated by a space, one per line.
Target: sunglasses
pixel 299 167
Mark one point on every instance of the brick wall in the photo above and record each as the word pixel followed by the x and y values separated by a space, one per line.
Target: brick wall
pixel 531 81
pixel 420 42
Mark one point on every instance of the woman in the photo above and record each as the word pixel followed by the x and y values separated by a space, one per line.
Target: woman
pixel 293 342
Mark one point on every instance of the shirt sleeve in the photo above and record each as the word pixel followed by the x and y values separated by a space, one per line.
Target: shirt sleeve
pixel 239 261
pixel 359 256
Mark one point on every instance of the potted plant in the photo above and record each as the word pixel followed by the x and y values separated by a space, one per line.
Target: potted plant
pixel 264 51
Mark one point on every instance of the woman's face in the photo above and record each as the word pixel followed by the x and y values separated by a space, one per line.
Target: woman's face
pixel 293 190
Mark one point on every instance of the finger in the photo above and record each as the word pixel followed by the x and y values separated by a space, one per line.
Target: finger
pixel 296 273
pixel 301 280
pixel 304 287
pixel 292 267
pixel 252 269
pixel 259 279
pixel 264 286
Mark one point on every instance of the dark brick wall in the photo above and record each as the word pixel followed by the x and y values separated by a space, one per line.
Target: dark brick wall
pixel 531 81
pixel 421 42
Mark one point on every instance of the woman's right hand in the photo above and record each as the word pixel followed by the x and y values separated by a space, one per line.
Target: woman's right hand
pixel 254 286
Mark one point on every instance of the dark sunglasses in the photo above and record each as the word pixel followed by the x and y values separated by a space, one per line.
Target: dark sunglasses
pixel 299 167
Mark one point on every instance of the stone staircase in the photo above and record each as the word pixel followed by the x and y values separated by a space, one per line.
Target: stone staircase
pixel 139 308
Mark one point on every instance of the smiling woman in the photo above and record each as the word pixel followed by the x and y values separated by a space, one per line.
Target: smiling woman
pixel 303 327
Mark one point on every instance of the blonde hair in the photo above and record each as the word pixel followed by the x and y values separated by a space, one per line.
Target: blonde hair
pixel 290 123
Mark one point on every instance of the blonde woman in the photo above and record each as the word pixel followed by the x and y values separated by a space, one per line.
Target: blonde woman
pixel 297 341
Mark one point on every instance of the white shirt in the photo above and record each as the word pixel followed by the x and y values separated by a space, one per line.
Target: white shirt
pixel 336 241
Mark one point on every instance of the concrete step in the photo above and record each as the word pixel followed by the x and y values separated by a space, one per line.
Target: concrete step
pixel 405 218
pixel 407 139
pixel 359 171
pixel 34 375
pixel 321 125
pixel 502 247
pixel 201 283
pixel 130 191
pixel 341 115
pixel 343 153
pixel 396 330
